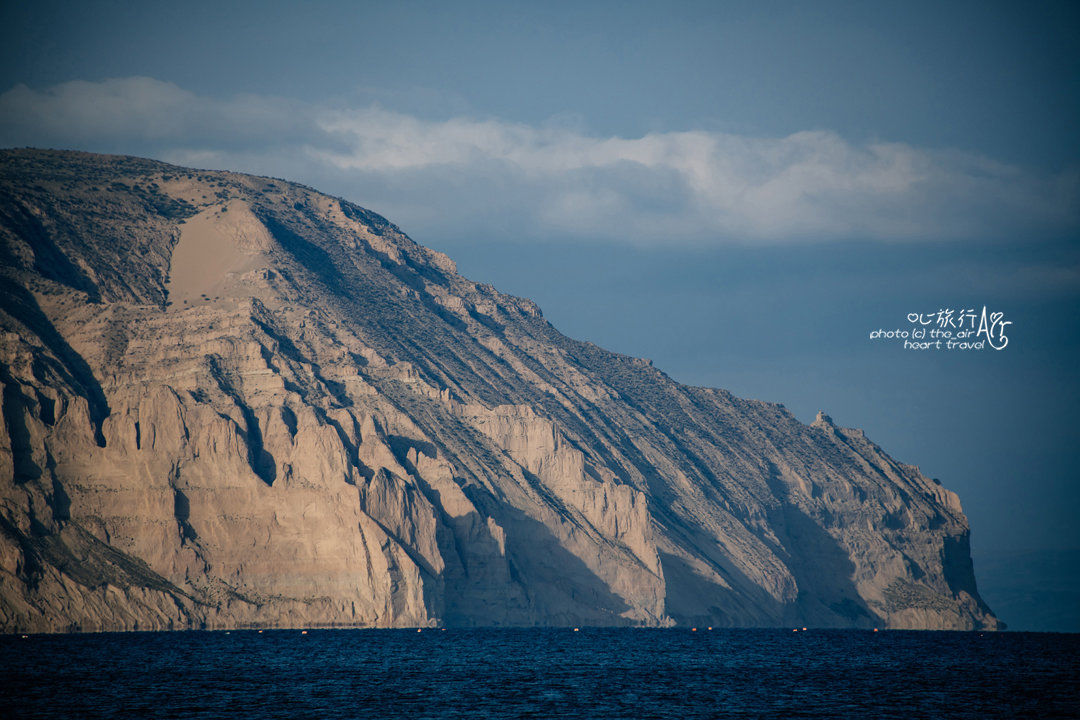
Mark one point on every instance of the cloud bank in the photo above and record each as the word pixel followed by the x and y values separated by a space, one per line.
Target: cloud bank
pixel 463 176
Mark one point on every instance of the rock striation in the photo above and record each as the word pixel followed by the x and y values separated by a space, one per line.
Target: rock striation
pixel 233 401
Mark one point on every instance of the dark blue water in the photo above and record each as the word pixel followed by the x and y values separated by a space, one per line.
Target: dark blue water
pixel 541 673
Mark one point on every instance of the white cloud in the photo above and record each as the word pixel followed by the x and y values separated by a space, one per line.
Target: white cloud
pixel 462 176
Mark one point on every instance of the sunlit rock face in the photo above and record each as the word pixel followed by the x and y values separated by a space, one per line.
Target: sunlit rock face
pixel 233 401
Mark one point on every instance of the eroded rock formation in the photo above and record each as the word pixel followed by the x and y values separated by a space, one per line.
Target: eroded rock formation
pixel 233 401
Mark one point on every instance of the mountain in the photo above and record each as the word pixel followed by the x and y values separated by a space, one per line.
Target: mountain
pixel 233 401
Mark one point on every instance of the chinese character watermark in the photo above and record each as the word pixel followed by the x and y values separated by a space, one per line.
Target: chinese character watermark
pixel 949 329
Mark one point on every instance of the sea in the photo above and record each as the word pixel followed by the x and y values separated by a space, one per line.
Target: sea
pixel 542 673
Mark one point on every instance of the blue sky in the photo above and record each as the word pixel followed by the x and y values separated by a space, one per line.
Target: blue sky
pixel 739 191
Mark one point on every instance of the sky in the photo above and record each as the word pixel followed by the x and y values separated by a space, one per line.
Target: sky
pixel 740 191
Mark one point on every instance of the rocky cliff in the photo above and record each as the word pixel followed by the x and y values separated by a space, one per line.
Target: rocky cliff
pixel 233 401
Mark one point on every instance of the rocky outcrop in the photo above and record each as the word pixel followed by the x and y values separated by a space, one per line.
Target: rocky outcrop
pixel 231 401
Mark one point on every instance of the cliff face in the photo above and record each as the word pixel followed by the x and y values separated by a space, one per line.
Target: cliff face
pixel 234 401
